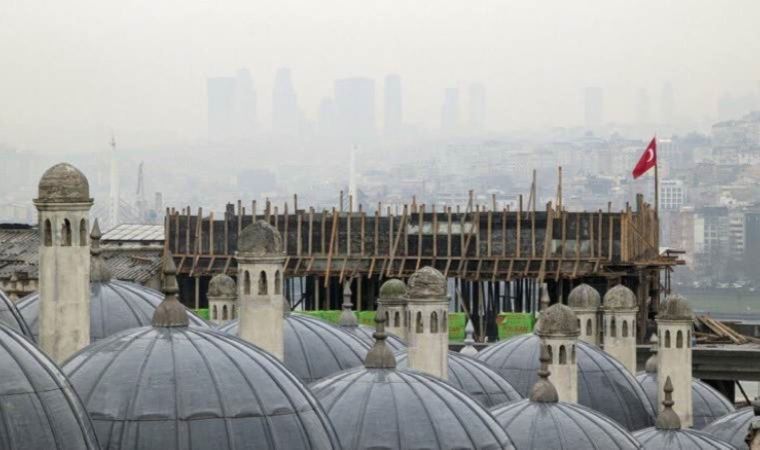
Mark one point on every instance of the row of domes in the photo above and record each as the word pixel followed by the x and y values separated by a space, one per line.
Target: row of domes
pixel 170 381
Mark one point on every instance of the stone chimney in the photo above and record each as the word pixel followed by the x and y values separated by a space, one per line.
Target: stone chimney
pixel 260 279
pixel 585 301
pixel 620 308
pixel 394 302
pixel 558 329
pixel 428 331
pixel 674 325
pixel 64 205
pixel 222 299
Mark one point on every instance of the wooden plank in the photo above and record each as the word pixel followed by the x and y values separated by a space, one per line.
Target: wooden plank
pixel 210 264
pixel 518 245
pixel 489 236
pixel 610 237
pixel 477 269
pixel 446 270
pixel 311 263
pixel 324 230
pixel 311 230
pixel 332 242
pixel 299 238
pixel 401 266
pixel 227 264
pixel 591 233
pixel 547 241
pixel 504 232
pixel 342 270
pixel 509 270
pixel 401 227
pixel 495 270
pixel 448 236
pixel 371 267
pixel 362 226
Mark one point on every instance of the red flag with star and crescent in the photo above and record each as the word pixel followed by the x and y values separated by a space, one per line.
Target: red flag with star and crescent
pixel 647 160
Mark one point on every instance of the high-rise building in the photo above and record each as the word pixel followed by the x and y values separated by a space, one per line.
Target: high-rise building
pixel 394 117
pixel 245 104
pixel 221 107
pixel 477 107
pixel 286 116
pixel 231 106
pixel 355 107
pixel 593 107
pixel 450 111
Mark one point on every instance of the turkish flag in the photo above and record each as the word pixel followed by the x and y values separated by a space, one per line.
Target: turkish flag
pixel 647 160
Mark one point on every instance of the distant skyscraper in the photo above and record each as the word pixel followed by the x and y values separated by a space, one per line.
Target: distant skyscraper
pixel 355 107
pixel 286 116
pixel 221 107
pixel 393 105
pixel 477 107
pixel 642 107
pixel 450 111
pixel 231 107
pixel 593 103
pixel 245 104
pixel 667 104
pixel 326 117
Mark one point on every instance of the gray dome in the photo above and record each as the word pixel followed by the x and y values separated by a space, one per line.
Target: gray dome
pixel 39 407
pixel 733 427
pixel 708 404
pixel 474 378
pixel 547 426
pixel 584 296
pixel 114 306
pixel 558 319
pixel 63 183
pixel 180 387
pixel 426 283
pixel 260 239
pixel 12 318
pixel 364 333
pixel 393 289
pixel 604 385
pixel 400 409
pixel 675 307
pixel 656 439
pixel 315 349
pixel 221 285
pixel 620 297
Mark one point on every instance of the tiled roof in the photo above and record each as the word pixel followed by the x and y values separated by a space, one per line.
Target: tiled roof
pixel 135 232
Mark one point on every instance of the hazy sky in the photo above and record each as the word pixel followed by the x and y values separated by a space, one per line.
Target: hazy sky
pixel 73 70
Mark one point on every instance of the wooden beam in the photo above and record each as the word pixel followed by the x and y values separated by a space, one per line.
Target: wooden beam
pixel 332 241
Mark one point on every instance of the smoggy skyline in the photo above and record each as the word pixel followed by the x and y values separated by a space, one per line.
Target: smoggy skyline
pixel 74 71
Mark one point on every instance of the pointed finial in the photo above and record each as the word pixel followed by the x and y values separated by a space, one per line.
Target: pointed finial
pixel 668 419
pixel 469 331
pixel 380 356
pixel 651 364
pixel 170 313
pixel 347 316
pixel 98 270
pixel 544 391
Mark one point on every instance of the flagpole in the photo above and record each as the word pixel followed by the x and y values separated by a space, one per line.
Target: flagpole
pixel 656 182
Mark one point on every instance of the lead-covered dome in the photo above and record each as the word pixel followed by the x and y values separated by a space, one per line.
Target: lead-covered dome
pixel 733 427
pixel 620 297
pixel 63 183
pixel 584 296
pixel 12 318
pixel 314 348
pixel 378 406
pixel 708 404
pixel 426 283
pixel 260 239
pixel 393 289
pixel 475 379
pixel 114 306
pixel 222 285
pixel 171 386
pixel 654 439
pixel 558 320
pixel 39 407
pixel 675 307
pixel 546 426
pixel 181 387
pixel 604 384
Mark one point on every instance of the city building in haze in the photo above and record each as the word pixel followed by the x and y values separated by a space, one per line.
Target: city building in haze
pixel 593 107
pixel 231 107
pixel 667 104
pixel 221 106
pixel 394 117
pixel 355 107
pixel 450 111
pixel 477 107
pixel 286 115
